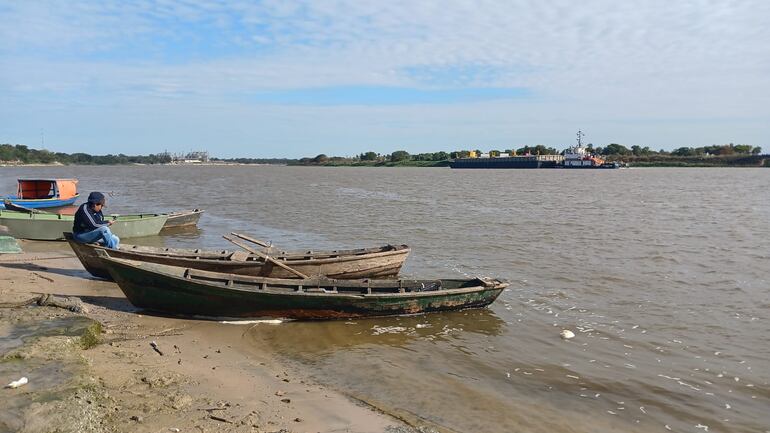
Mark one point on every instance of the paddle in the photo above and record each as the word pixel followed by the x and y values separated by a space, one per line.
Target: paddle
pixel 252 240
pixel 266 257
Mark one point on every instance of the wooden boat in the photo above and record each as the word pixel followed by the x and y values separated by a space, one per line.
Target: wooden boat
pixel 43 193
pixel 49 226
pixel 380 262
pixel 179 290
pixel 184 218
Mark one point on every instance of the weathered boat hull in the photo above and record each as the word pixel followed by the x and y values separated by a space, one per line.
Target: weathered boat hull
pixel 47 226
pixel 381 262
pixel 38 203
pixel 183 291
pixel 183 219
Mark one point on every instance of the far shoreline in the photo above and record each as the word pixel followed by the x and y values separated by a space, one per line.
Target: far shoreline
pixel 763 163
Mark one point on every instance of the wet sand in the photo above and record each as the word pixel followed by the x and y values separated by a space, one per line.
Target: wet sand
pixel 206 379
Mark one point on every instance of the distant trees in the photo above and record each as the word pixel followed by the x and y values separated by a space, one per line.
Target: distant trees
pixel 725 149
pixel 23 154
pixel 537 150
pixel 615 149
pixel 436 156
pixel 459 154
pixel 399 155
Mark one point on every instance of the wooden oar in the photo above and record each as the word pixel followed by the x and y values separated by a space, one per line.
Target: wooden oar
pixel 252 240
pixel 266 257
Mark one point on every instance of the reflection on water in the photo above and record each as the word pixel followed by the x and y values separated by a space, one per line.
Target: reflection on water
pixel 661 273
pixel 315 339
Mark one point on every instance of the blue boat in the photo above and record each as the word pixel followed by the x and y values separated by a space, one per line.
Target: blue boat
pixel 44 193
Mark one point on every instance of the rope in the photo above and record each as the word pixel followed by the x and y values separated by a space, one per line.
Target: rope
pixel 34 259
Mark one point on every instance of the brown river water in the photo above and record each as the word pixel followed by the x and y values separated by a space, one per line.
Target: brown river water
pixel 662 274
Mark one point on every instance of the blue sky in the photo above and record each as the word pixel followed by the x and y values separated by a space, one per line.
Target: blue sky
pixel 299 78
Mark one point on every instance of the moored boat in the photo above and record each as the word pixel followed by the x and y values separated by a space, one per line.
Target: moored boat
pixel 186 218
pixel 49 226
pixel 380 262
pixel 185 291
pixel 578 156
pixel 44 193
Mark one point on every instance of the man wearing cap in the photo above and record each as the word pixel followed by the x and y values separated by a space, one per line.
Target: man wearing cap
pixel 90 225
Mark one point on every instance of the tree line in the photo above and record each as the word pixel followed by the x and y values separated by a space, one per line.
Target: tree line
pixel 23 154
pixel 614 150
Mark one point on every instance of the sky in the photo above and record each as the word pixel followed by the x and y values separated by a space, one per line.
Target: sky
pixel 290 79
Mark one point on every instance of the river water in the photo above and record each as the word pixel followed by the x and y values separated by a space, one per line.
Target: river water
pixel 662 274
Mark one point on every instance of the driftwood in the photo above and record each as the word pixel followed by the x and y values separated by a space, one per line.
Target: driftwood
pixel 47 300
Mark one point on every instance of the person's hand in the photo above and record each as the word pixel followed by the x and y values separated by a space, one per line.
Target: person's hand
pixel 109 223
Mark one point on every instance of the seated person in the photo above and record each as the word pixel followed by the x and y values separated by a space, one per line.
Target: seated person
pixel 90 225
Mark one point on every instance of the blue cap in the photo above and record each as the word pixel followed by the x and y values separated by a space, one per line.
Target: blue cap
pixel 96 198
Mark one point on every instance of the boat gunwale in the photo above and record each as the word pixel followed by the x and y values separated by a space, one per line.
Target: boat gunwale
pixel 15 199
pixel 48 216
pixel 181 213
pixel 229 282
pixel 293 257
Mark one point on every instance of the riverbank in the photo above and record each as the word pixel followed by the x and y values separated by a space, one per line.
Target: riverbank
pixel 631 161
pixel 694 161
pixel 96 370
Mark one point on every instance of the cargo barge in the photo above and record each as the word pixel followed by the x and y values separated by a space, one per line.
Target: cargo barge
pixel 574 157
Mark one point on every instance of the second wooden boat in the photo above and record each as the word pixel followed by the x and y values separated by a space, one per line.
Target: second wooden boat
pixel 185 218
pixel 185 291
pixel 379 262
pixel 51 227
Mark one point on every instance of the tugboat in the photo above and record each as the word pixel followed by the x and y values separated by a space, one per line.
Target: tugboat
pixel 579 157
pixel 574 157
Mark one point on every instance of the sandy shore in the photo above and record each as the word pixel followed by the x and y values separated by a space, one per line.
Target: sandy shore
pixel 206 380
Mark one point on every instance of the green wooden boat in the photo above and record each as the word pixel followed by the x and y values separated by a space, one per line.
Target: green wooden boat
pixel 49 226
pixel 185 291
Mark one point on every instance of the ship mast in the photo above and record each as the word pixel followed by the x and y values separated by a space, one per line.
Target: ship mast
pixel 580 136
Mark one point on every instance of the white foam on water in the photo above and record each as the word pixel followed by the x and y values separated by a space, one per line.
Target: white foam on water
pixel 379 330
pixel 253 322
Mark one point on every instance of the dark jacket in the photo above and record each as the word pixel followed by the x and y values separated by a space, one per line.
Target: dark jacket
pixel 87 219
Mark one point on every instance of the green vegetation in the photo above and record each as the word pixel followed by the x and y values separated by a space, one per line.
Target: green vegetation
pixel 713 150
pixel 707 156
pixel 24 155
pixel 91 335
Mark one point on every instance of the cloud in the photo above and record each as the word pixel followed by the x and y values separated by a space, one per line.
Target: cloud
pixel 590 63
